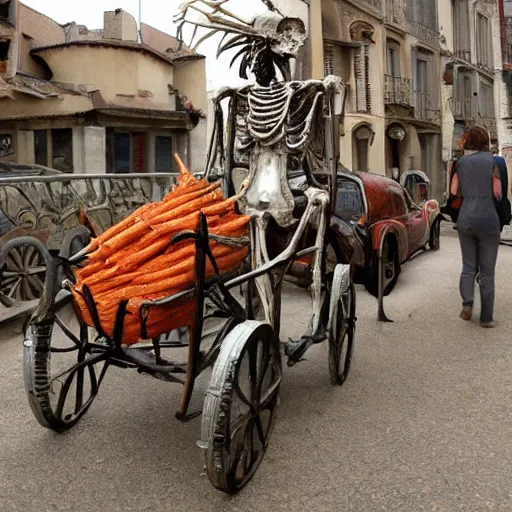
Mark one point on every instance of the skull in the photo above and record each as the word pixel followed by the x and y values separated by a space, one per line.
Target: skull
pixel 286 35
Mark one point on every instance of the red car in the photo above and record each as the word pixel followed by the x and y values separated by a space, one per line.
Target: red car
pixel 377 218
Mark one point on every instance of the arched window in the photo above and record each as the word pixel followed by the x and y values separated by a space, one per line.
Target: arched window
pixel 362 139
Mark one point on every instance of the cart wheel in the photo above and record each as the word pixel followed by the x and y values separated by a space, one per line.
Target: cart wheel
pixel 240 406
pixel 62 376
pixel 23 263
pixel 342 326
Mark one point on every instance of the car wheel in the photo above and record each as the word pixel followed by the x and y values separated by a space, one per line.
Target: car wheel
pixel 391 262
pixel 435 236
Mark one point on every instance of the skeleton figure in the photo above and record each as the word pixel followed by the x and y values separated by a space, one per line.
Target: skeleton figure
pixel 275 145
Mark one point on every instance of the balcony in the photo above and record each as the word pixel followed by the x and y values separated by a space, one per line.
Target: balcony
pixel 464 110
pixel 424 110
pixel 398 91
pixel 475 111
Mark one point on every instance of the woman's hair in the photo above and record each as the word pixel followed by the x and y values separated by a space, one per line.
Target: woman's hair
pixel 475 138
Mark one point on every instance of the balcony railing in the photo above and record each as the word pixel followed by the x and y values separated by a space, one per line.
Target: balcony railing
pixel 424 110
pixel 398 91
pixel 464 109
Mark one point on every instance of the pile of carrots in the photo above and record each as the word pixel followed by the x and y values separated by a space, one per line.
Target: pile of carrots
pixel 135 260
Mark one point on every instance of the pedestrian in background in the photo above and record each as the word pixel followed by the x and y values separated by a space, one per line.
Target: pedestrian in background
pixel 477 181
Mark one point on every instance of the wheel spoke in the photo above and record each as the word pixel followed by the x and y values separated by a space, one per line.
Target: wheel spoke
pixel 269 395
pixel 32 271
pixel 29 254
pixel 15 260
pixel 14 291
pixel 10 273
pixel 259 429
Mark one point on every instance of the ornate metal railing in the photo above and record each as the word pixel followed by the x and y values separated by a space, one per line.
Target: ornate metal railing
pixel 424 110
pixel 398 90
pixel 47 207
pixel 464 109
pixel 425 34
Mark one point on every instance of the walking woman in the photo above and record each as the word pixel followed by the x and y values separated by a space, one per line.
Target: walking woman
pixel 477 181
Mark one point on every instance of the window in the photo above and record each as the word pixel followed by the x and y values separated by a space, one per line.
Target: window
pixel 425 92
pixel 126 152
pixel 393 61
pixel 62 149
pixel 483 41
pixel 41 147
pixel 7 10
pixel 463 94
pixel 486 103
pixel 122 154
pixel 5 46
pixel 349 202
pixel 461 29
pixel 163 154
pixel 363 136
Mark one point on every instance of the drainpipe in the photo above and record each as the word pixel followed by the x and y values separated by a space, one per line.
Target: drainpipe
pixel 316 39
pixel 503 29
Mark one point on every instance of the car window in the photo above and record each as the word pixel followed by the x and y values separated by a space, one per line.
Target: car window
pixel 349 200
pixel 411 205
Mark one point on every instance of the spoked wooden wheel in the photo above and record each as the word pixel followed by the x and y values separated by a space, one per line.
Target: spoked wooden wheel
pixel 240 405
pixel 23 269
pixel 62 372
pixel 342 325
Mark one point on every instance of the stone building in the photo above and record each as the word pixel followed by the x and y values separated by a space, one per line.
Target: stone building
pixel 471 56
pixel 389 53
pixel 418 71
pixel 505 84
pixel 95 101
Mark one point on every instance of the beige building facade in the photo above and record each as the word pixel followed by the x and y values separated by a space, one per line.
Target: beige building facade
pixel 389 54
pixel 95 101
pixel 418 71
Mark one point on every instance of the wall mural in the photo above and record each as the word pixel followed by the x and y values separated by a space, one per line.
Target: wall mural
pixel 48 209
pixel 6 147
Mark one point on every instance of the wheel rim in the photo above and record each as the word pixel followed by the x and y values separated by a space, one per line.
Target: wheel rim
pixel 240 405
pixel 341 346
pixel 23 274
pixel 253 409
pixel 62 371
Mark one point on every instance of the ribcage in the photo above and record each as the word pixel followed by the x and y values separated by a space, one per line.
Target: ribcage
pixel 268 111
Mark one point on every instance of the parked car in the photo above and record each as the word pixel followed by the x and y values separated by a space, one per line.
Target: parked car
pixel 382 223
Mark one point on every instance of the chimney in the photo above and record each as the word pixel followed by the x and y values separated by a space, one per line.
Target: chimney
pixel 120 25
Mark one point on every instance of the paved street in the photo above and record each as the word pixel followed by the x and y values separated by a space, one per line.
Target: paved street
pixel 424 421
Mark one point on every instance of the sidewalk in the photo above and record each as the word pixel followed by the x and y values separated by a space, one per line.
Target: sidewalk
pixel 447 230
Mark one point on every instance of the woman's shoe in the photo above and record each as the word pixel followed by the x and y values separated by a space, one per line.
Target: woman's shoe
pixel 466 313
pixel 487 325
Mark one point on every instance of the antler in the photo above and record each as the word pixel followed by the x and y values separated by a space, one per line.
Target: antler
pixel 271 7
pixel 218 19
